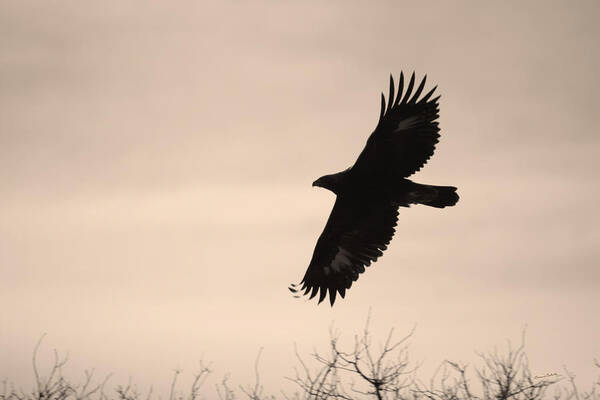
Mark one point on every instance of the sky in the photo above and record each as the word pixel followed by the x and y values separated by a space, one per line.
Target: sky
pixel 156 161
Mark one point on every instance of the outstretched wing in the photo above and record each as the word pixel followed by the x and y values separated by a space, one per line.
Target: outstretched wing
pixel 355 235
pixel 406 134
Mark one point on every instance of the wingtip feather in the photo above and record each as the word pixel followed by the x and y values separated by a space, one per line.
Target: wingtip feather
pixel 409 88
pixel 391 96
pixel 322 294
pixel 419 90
pixel 400 88
pixel 428 95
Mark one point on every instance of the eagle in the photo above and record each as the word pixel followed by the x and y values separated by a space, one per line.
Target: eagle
pixel 369 193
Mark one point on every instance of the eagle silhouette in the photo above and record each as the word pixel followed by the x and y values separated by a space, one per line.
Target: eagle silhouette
pixel 369 193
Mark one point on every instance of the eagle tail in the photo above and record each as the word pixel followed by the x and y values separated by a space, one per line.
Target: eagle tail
pixel 437 196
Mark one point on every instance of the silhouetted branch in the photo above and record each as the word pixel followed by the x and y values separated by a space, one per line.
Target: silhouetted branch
pixel 352 373
pixel 380 375
pixel 256 392
pixel 227 393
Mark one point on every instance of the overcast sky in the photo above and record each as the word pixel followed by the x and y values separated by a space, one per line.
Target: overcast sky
pixel 156 161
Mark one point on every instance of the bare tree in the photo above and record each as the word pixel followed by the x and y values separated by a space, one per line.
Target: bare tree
pixel 571 391
pixel 54 386
pixel 363 372
pixel 381 375
pixel 500 377
pixel 359 371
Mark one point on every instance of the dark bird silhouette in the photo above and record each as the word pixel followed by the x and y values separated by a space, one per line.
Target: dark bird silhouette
pixel 361 224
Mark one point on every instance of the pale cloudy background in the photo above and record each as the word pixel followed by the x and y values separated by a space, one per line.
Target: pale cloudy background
pixel 156 161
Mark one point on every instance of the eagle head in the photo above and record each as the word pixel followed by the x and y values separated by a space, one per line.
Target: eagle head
pixel 329 182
